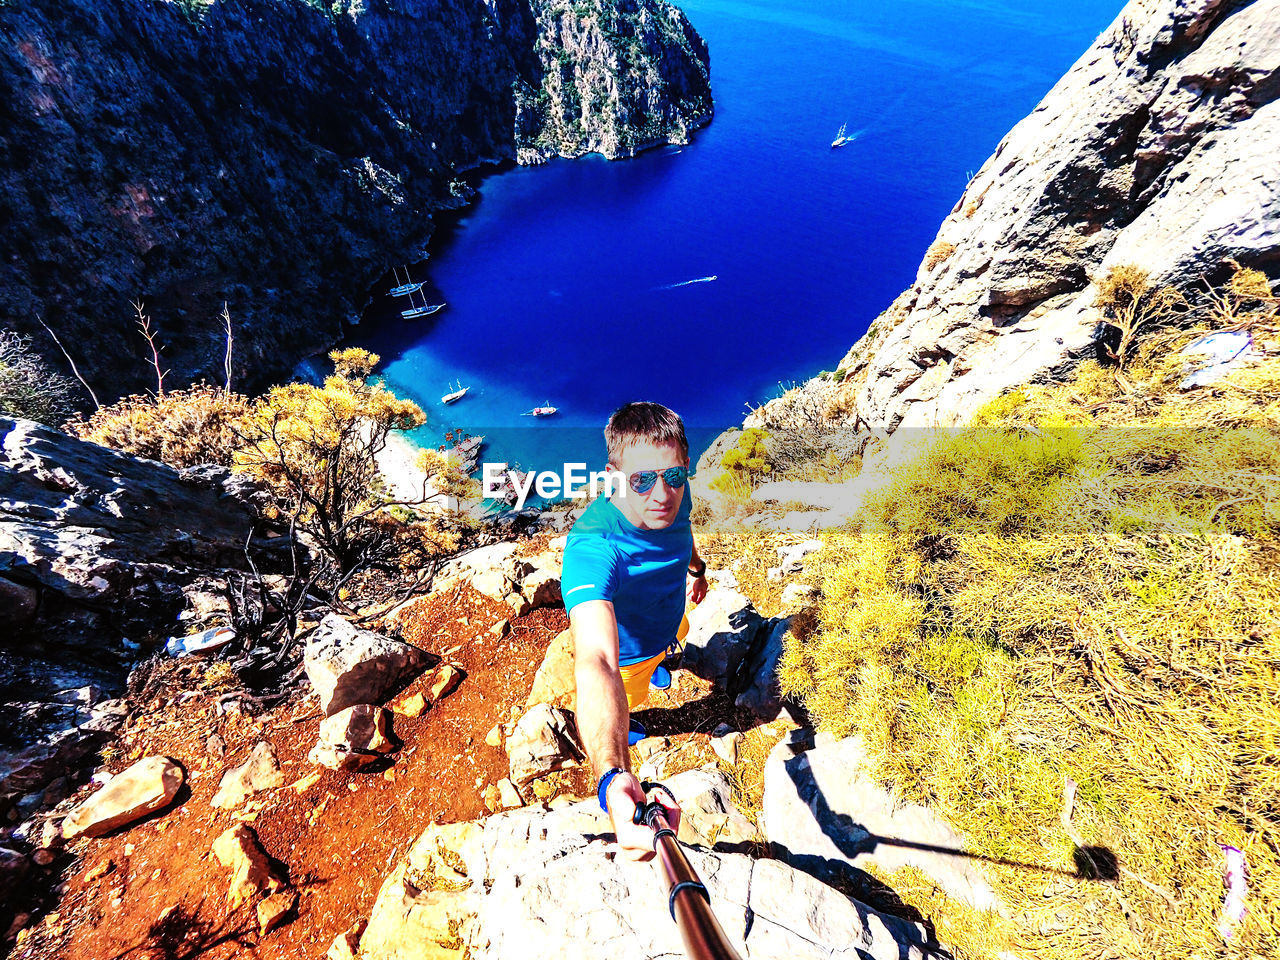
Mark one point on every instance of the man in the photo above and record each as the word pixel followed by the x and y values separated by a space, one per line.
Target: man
pixel 630 563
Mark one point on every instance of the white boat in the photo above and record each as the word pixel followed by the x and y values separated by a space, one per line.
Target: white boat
pixel 423 311
pixel 841 139
pixel 544 411
pixel 406 288
pixel 456 395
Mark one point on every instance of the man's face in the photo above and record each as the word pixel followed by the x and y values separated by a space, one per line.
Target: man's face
pixel 656 509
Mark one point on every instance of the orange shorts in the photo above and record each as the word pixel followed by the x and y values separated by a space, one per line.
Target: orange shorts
pixel 635 676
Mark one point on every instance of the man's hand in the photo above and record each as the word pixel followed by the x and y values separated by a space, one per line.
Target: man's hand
pixel 696 589
pixel 635 841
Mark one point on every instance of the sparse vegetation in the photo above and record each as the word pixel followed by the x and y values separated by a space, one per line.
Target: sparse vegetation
pixel 743 463
pixel 201 424
pixel 1130 304
pixel 28 388
pixel 938 253
pixel 1082 587
pixel 317 448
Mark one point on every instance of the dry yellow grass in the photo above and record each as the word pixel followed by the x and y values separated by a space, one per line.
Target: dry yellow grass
pixel 182 428
pixel 1082 587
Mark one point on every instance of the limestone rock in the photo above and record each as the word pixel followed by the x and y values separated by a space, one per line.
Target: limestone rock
pixel 492 797
pixel 495 736
pixel 759 670
pixel 445 681
pixel 147 786
pixel 109 541
pixel 346 943
pixel 726 745
pixel 509 795
pixel 252 873
pixel 411 706
pixel 518 604
pixel 260 772
pixel 1159 148
pixel 272 910
pixel 543 740
pixel 353 738
pixel 542 588
pixel 501 628
pixel 482 889
pixel 554 683
pixel 493 584
pixel 707 813
pixel 348 665
pixel 825 815
pixel 722 629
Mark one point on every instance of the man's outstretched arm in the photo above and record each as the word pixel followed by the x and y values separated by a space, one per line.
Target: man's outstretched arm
pixel 603 720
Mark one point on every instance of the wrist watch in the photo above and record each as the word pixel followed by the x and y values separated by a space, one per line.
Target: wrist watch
pixel 699 569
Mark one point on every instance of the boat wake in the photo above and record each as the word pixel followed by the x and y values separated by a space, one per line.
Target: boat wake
pixel 688 283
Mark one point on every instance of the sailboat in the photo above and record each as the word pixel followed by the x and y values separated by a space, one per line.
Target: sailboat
pixel 423 311
pixel 545 410
pixel 459 392
pixel 406 288
pixel 841 139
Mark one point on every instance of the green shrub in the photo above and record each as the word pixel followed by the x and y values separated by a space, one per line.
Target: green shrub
pixel 1077 589
pixel 743 463
pixel 28 388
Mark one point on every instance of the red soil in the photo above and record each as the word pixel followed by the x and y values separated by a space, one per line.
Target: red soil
pixel 164 894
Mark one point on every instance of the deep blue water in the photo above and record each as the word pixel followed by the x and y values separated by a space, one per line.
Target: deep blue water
pixel 561 281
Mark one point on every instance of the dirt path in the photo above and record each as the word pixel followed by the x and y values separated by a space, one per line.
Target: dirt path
pixel 164 893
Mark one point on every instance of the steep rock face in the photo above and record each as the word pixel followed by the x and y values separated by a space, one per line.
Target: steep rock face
pixel 95 544
pixel 610 82
pixel 278 155
pixel 1160 148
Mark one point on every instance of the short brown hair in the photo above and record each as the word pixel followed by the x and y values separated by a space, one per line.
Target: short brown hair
pixel 644 422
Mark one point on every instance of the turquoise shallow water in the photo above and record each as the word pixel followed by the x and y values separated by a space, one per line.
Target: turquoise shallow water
pixel 586 283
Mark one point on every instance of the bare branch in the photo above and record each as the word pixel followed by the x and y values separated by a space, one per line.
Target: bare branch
pixel 144 322
pixel 83 382
pixel 226 321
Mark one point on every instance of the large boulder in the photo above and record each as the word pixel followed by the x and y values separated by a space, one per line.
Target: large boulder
pixel 730 644
pixel 482 889
pixel 544 739
pixel 147 786
pixel 348 665
pixel 758 676
pixel 95 544
pixel 825 815
pixel 554 683
pixel 722 629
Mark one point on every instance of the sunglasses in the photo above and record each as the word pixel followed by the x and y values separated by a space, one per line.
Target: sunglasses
pixel 642 481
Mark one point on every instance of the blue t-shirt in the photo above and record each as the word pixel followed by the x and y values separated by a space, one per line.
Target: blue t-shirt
pixel 642 572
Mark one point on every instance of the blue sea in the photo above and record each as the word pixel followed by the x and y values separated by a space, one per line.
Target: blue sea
pixel 708 277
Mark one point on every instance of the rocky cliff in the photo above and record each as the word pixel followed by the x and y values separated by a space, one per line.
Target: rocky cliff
pixel 281 155
pixel 96 544
pixel 1159 148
